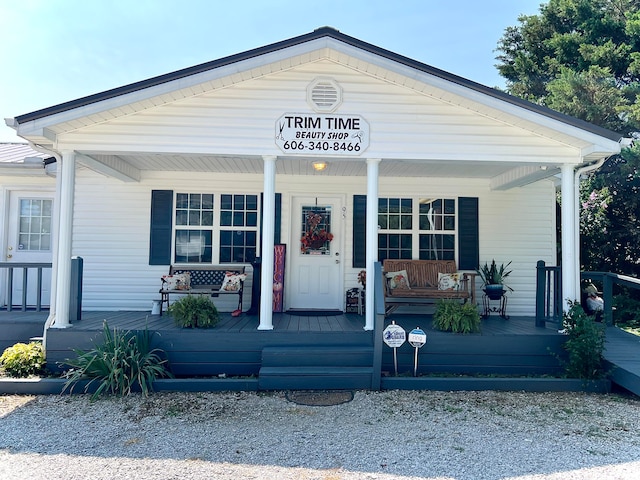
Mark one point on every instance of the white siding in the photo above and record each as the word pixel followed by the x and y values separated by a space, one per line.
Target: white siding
pixel 240 120
pixel 111 228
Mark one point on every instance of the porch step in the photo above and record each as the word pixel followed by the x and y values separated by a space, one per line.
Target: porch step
pixel 303 367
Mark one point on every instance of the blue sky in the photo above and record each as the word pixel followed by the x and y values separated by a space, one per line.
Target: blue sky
pixel 58 50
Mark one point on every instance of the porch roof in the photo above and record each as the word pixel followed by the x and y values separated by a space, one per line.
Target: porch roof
pixel 317 34
pixel 533 144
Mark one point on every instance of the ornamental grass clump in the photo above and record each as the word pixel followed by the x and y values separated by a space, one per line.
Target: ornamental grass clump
pixel 194 311
pixel 23 360
pixel 123 362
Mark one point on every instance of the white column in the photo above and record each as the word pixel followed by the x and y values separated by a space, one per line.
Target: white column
pixel 570 284
pixel 266 249
pixel 67 172
pixel 372 238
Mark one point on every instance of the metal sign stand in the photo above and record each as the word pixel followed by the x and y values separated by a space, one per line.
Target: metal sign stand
pixel 394 336
pixel 417 339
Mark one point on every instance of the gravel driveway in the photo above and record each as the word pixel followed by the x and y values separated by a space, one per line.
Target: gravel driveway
pixel 377 435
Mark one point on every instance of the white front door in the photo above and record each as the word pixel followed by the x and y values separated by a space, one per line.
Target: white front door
pixel 316 254
pixel 29 239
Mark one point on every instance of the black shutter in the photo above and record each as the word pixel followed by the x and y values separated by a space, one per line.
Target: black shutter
pixel 161 227
pixel 468 234
pixel 359 231
pixel 278 218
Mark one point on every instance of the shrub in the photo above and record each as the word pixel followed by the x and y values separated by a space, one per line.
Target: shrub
pixel 194 311
pixel 453 316
pixel 23 359
pixel 122 361
pixel 584 345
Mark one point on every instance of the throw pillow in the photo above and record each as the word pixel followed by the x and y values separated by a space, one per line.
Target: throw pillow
pixel 232 282
pixel 179 281
pixel 398 279
pixel 449 281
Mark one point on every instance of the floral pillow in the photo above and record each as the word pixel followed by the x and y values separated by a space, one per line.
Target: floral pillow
pixel 179 281
pixel 398 280
pixel 449 281
pixel 232 282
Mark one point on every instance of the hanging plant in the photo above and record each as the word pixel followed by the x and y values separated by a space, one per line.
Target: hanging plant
pixel 314 237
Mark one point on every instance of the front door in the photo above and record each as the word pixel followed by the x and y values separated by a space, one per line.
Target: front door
pixel 316 254
pixel 29 239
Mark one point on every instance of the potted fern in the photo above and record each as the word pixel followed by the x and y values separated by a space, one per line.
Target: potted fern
pixel 456 317
pixel 492 277
pixel 194 311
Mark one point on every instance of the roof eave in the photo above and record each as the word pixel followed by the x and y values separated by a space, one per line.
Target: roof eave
pixel 316 34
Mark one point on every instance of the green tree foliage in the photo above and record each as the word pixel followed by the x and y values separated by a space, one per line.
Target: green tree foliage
pixel 582 58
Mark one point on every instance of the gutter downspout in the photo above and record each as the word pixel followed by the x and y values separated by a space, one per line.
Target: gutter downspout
pixel 624 143
pixel 54 254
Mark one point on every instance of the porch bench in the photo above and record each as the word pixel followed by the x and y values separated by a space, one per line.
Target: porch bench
pixel 423 282
pixel 204 280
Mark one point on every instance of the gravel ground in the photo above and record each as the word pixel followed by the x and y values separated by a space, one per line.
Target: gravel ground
pixel 378 435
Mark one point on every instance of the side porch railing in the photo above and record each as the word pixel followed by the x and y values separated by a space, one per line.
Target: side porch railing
pixel 549 304
pixel 32 267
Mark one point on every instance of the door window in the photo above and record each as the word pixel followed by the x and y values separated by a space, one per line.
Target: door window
pixel 34 225
pixel 316 233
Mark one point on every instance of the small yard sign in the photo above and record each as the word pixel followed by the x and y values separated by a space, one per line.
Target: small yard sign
pixel 394 336
pixel 417 338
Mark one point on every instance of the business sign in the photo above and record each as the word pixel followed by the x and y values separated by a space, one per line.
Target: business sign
pixel 322 134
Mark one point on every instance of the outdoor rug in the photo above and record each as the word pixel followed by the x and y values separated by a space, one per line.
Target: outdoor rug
pixel 319 398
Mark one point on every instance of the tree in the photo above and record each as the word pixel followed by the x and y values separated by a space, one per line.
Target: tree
pixel 582 58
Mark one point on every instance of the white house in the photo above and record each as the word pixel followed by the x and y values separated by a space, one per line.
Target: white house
pixel 217 162
pixel 27 191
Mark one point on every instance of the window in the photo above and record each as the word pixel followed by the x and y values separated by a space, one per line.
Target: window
pixel 437 215
pixel 241 212
pixel 35 225
pixel 429 230
pixel 215 229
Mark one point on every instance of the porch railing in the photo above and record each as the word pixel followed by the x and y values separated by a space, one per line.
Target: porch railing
pixel 609 280
pixel 549 304
pixel 11 267
pixel 378 326
pixel 548 294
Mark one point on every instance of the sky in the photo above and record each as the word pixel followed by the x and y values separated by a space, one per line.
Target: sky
pixel 53 51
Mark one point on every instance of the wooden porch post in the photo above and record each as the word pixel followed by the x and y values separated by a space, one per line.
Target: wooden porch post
pixel 372 239
pixel 67 171
pixel 570 284
pixel 266 250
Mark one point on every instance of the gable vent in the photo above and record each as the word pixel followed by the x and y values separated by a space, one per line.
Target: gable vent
pixel 324 95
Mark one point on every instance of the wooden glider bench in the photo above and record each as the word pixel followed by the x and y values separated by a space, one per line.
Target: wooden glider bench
pixel 423 282
pixel 204 280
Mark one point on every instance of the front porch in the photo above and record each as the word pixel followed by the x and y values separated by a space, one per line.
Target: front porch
pixel 307 351
pixel 329 352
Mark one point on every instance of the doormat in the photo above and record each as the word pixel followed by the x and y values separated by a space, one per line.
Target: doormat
pixel 314 313
pixel 319 398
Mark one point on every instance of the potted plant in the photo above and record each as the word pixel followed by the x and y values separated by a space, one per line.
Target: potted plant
pixel 456 317
pixel 492 277
pixel 194 311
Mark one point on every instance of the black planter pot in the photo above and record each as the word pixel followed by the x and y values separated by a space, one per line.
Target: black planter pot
pixel 494 292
